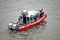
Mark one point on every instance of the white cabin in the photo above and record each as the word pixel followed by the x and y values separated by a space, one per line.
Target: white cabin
pixel 28 16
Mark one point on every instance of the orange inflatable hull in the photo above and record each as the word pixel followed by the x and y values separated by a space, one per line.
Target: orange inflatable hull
pixel 23 28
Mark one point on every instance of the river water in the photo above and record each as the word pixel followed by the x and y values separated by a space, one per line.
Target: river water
pixel 10 9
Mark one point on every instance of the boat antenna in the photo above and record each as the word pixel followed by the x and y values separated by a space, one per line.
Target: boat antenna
pixel 41 10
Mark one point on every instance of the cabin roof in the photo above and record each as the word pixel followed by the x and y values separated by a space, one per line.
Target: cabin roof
pixel 32 13
pixel 29 13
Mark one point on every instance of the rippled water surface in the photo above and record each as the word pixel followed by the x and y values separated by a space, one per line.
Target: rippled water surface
pixel 10 9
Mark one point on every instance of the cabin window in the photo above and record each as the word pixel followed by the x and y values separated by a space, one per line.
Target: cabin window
pixel 31 18
pixel 28 18
pixel 20 17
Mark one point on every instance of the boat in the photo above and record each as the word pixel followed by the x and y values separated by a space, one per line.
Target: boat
pixel 28 19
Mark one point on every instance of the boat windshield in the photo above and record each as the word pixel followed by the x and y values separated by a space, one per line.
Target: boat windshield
pixel 20 17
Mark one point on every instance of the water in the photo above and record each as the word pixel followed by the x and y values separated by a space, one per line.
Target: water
pixel 10 9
